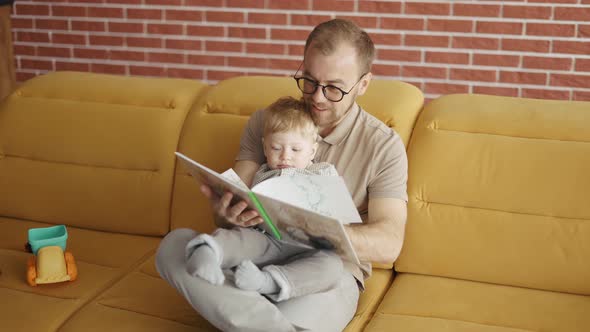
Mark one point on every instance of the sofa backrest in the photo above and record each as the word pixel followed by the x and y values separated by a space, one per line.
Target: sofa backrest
pixel 212 130
pixel 499 192
pixel 93 151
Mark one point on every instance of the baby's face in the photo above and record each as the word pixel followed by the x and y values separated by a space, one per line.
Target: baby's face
pixel 289 149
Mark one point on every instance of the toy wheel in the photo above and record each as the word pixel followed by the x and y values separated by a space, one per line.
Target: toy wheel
pixel 71 266
pixel 31 271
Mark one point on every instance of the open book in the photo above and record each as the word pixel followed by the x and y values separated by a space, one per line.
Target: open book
pixel 309 209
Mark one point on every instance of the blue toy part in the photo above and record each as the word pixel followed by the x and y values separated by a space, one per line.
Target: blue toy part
pixel 48 236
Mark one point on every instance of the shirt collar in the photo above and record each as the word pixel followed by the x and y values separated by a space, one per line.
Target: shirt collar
pixel 343 128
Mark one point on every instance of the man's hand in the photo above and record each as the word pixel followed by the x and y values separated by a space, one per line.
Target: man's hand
pixel 228 216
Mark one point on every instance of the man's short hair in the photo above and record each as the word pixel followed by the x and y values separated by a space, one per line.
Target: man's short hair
pixel 329 35
pixel 288 113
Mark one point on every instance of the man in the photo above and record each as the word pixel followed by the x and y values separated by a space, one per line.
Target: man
pixel 370 157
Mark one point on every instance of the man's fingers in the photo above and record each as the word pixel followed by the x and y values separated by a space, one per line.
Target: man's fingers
pixel 234 214
pixel 224 201
pixel 237 209
pixel 254 221
pixel 206 191
pixel 246 216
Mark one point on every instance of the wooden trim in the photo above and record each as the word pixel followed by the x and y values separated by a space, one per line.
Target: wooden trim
pixel 7 76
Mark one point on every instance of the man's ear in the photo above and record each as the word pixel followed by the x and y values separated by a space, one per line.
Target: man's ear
pixel 364 83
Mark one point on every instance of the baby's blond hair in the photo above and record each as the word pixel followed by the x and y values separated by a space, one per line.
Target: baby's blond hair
pixel 288 113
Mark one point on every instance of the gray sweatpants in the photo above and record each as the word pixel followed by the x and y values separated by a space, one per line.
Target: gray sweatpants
pixel 298 270
pixel 232 309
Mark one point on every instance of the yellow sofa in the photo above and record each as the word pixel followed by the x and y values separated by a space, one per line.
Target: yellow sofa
pixel 498 233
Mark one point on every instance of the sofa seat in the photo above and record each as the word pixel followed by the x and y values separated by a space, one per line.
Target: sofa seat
pixel 141 301
pixel 128 306
pixel 375 288
pixel 429 303
pixel 102 258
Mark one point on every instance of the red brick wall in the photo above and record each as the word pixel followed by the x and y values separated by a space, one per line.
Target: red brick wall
pixel 534 48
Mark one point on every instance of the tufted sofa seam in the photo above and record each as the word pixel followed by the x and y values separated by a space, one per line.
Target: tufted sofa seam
pixel 144 314
pixel 456 320
pixel 434 127
pixel 495 210
pixel 108 286
pixel 37 294
pixel 166 107
pixel 69 163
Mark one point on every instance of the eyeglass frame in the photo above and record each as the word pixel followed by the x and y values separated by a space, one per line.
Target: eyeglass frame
pixel 317 84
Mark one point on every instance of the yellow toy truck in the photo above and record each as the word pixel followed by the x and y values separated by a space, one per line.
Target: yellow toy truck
pixel 50 262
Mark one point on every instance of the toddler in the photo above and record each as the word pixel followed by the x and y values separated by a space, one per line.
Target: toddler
pixel 289 269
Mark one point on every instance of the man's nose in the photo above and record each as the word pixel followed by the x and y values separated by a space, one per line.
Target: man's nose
pixel 318 95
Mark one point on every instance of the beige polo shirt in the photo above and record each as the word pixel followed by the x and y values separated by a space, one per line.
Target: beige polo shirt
pixel 370 156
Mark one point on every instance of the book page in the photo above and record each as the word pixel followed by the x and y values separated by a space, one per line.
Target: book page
pixel 325 195
pixel 309 227
pixel 232 176
pixel 218 183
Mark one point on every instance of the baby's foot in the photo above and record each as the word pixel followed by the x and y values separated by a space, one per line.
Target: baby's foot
pixel 249 277
pixel 204 263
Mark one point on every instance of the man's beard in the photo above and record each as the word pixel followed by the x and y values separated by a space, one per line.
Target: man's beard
pixel 315 117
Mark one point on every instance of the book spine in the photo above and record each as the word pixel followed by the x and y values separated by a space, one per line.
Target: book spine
pixel 265 216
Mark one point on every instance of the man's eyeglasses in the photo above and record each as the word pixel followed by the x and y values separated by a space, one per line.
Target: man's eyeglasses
pixel 332 93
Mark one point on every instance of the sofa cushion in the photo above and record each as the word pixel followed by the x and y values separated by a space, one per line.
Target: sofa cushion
pixel 499 192
pixel 102 259
pixel 92 151
pixel 428 303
